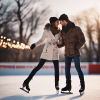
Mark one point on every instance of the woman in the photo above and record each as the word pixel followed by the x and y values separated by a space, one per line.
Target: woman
pixel 50 51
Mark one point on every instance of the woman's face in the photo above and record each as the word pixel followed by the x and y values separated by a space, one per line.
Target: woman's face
pixel 56 23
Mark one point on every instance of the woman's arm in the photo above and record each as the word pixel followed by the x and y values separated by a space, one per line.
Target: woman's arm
pixel 39 42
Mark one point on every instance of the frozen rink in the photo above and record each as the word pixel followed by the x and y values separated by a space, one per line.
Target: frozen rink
pixel 42 88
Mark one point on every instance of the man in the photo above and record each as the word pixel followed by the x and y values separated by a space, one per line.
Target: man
pixel 73 39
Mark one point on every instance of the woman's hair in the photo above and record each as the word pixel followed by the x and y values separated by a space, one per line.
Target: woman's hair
pixel 48 25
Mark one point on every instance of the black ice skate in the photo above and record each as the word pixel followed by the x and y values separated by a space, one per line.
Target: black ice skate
pixel 67 87
pixel 57 87
pixel 27 87
pixel 82 87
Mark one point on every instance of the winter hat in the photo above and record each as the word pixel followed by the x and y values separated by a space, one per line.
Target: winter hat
pixel 64 17
pixel 53 19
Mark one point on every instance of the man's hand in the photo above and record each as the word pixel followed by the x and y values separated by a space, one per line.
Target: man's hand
pixel 76 49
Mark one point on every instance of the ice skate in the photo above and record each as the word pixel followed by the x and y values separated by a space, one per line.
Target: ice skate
pixel 27 87
pixel 57 87
pixel 82 87
pixel 67 87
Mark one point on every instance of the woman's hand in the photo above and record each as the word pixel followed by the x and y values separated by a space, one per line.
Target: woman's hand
pixel 32 46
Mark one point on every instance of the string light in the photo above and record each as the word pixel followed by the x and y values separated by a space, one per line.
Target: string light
pixel 1 37
pixel 4 37
pixel 17 42
pixel 9 39
pixel 14 41
pixel 12 44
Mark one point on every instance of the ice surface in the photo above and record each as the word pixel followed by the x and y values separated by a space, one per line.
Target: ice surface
pixel 42 88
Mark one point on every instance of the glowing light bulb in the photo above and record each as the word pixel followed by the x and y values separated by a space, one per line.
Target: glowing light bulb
pixel 1 37
pixel 18 42
pixel 4 37
pixel 14 41
pixel 9 39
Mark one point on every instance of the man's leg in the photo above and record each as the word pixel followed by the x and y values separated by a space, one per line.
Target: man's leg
pixel 67 67
pixel 78 68
pixel 80 73
pixel 67 73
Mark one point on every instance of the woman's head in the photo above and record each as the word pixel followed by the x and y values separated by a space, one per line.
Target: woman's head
pixel 54 22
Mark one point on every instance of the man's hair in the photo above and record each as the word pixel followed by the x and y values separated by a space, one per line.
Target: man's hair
pixel 64 17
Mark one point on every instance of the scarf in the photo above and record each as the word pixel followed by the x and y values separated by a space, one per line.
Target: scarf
pixel 54 30
pixel 68 26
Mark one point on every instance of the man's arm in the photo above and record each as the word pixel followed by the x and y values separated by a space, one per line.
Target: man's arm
pixel 81 39
pixel 60 43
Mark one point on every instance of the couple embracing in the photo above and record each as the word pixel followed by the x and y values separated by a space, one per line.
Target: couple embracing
pixel 72 38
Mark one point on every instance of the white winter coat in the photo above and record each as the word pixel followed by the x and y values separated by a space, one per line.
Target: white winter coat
pixel 50 51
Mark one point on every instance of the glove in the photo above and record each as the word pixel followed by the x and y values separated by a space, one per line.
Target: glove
pixel 32 46
pixel 58 45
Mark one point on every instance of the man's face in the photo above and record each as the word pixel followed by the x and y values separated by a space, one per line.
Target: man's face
pixel 62 22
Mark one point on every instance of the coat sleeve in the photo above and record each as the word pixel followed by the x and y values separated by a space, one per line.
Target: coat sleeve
pixel 44 36
pixel 81 37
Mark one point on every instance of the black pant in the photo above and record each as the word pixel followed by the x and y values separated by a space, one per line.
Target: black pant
pixel 40 65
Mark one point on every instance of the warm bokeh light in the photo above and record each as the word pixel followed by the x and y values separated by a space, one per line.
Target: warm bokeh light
pixel 14 41
pixel 12 44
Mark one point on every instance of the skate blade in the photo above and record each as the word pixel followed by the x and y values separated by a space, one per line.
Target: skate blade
pixel 57 91
pixel 66 92
pixel 81 93
pixel 24 90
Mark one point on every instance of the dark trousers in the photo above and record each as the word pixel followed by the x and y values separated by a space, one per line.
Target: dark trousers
pixel 77 66
pixel 40 65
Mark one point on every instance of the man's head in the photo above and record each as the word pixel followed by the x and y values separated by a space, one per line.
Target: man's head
pixel 63 19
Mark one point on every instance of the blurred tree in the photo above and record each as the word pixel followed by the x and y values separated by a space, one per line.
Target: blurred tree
pixel 32 22
pixel 6 29
pixel 96 45
pixel 4 15
pixel 90 22
pixel 18 21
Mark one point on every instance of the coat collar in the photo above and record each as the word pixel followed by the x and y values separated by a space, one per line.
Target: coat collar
pixel 68 31
pixel 52 34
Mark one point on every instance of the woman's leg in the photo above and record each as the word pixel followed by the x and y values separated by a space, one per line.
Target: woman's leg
pixel 39 66
pixel 56 68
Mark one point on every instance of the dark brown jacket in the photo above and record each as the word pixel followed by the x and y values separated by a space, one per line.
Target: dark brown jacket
pixel 73 41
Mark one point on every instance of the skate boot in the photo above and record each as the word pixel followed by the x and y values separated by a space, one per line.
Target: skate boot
pixel 82 87
pixel 57 86
pixel 25 84
pixel 67 87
